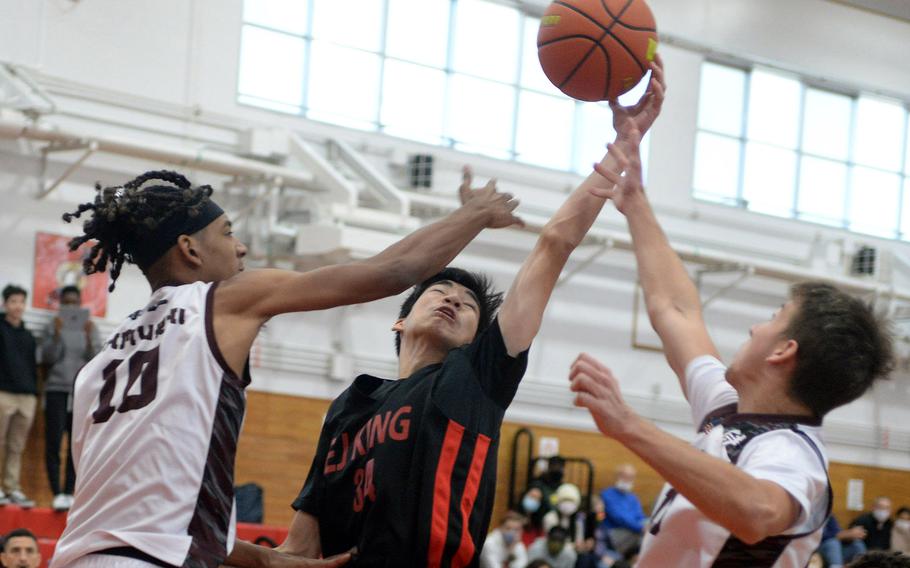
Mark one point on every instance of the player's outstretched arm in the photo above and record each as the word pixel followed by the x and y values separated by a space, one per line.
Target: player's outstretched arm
pixel 522 311
pixel 266 293
pixel 750 508
pixel 248 555
pixel 674 306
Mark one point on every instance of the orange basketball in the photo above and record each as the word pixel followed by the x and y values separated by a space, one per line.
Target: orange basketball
pixel 595 50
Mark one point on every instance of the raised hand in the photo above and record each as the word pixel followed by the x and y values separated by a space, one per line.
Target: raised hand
pixel 626 185
pixel 499 206
pixel 597 389
pixel 643 113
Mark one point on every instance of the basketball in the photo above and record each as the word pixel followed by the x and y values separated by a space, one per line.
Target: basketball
pixel 595 50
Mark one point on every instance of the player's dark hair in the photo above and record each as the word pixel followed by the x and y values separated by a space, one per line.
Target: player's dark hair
pixel 513 516
pixel 539 563
pixel 489 301
pixel 13 290
pixel 17 533
pixel 124 216
pixel 70 289
pixel 880 559
pixel 843 347
pixel 558 532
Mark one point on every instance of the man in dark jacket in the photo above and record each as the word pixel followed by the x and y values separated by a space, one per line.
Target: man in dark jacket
pixel 18 392
pixel 878 525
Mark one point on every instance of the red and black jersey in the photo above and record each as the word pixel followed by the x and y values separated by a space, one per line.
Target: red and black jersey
pixel 406 470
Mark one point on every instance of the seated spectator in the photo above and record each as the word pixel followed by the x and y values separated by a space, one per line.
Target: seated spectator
pixel 878 525
pixel 555 549
pixel 600 549
pixel 548 482
pixel 566 501
pixel 623 515
pixel 900 533
pixel 20 550
pixel 531 507
pixel 880 559
pixel 840 546
pixel 503 547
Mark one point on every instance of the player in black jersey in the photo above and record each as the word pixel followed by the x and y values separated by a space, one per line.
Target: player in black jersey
pixel 405 470
pixel 179 237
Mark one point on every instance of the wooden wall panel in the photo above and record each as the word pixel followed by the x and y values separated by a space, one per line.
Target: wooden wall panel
pixel 279 441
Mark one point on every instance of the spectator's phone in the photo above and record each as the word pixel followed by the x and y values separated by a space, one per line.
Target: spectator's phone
pixel 74 318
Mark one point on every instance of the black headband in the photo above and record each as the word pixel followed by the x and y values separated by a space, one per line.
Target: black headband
pixel 145 251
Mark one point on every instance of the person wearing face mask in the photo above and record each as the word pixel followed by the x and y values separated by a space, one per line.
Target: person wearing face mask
pixel 531 506
pixel 624 518
pixel 567 501
pixel 900 533
pixel 548 482
pixel 503 547
pixel 878 525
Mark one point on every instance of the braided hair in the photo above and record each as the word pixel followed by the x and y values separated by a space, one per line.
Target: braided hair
pixel 123 216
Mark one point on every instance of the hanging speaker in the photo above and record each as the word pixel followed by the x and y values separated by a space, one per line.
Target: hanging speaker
pixel 420 170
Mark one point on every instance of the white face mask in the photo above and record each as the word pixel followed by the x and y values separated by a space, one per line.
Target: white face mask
pixel 567 508
pixel 902 525
pixel 625 486
pixel 881 515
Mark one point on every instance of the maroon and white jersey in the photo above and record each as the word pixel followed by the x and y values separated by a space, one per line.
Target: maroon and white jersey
pixel 156 417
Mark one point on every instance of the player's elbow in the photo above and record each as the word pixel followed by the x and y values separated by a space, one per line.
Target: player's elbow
pixel 557 242
pixel 757 522
pixel 394 276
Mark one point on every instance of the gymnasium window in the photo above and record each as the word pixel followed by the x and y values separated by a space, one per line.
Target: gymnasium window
pixel 771 143
pixel 424 70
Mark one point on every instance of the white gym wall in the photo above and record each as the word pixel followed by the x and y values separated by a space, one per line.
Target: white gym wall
pixel 164 72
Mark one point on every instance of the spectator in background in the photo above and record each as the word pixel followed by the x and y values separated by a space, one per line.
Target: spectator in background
pixel 18 392
pixel 549 482
pixel 554 548
pixel 503 547
pixel 623 515
pixel 532 507
pixel 566 501
pixel 879 559
pixel 598 551
pixel 840 546
pixel 20 550
pixel 878 525
pixel 70 342
pixel 900 533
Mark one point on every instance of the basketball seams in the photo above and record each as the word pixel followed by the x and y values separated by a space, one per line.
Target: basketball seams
pixel 574 36
pixel 607 32
pixel 596 45
pixel 620 22
pixel 617 36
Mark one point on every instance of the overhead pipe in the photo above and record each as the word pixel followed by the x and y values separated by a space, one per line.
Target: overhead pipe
pixel 196 158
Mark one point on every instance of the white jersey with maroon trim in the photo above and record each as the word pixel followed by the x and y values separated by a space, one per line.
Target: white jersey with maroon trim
pixel 786 450
pixel 156 417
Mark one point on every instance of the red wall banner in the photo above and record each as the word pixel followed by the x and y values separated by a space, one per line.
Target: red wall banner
pixel 56 266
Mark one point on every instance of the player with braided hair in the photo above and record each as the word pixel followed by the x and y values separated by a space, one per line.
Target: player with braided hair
pixel 158 411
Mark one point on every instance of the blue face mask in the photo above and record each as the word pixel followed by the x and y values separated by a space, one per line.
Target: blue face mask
pixel 530 504
pixel 508 537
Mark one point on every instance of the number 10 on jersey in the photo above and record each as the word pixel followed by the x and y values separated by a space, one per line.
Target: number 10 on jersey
pixel 143 366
